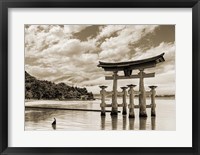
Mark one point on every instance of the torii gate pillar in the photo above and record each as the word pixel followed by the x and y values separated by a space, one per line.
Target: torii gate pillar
pixel 142 95
pixel 153 104
pixel 114 95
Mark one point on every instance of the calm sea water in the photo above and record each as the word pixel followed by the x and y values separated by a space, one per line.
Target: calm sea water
pixel 41 119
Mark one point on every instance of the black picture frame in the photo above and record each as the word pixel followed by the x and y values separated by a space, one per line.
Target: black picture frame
pixel 5 4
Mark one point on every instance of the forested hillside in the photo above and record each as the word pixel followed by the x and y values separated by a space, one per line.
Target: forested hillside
pixel 42 89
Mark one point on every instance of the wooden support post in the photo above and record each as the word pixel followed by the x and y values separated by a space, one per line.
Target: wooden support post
pixel 153 104
pixel 114 96
pixel 131 102
pixel 124 104
pixel 142 95
pixel 103 104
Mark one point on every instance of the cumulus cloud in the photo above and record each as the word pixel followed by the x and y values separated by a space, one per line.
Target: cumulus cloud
pixel 53 53
pixel 114 47
pixel 70 29
pixel 107 31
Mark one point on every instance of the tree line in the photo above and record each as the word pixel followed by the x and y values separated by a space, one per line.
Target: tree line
pixel 43 89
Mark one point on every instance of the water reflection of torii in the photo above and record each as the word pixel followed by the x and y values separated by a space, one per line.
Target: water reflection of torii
pixel 127 68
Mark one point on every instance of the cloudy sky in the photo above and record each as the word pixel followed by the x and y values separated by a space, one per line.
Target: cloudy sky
pixel 71 53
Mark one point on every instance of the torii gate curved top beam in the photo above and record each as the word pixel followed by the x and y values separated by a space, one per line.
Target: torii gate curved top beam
pixel 132 65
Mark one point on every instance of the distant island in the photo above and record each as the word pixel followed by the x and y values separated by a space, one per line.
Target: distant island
pixel 42 89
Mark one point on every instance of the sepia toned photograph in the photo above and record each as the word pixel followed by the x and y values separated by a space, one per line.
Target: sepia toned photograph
pixel 99 77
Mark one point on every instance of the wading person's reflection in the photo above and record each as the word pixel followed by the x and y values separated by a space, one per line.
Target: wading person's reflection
pixel 54 124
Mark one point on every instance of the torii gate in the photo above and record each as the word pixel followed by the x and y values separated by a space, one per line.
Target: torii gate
pixel 127 68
